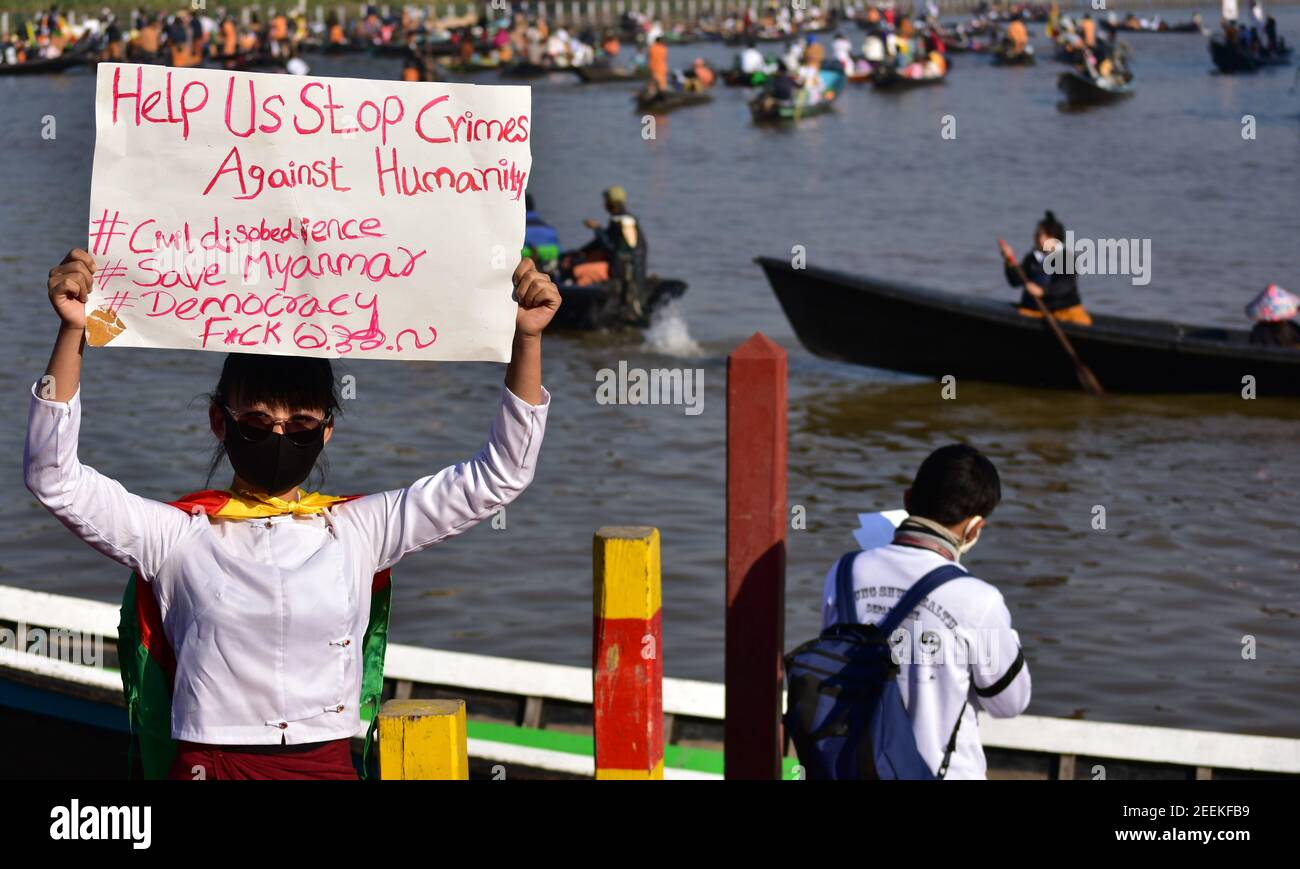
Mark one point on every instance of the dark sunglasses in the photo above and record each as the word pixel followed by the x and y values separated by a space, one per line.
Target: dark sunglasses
pixel 255 426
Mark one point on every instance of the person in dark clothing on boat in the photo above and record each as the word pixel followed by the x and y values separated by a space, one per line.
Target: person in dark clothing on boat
pixel 620 242
pixel 1274 312
pixel 1050 274
pixel 541 241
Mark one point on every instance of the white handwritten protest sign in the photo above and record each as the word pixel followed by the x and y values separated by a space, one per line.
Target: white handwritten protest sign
pixel 269 213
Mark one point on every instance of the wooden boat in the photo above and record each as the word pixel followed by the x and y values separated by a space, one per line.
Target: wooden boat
pixel 82 54
pixel 1004 57
pixel 887 78
pixel 316 46
pixel 70 719
pixel 667 101
pixel 600 306
pixel 1081 89
pixel 782 113
pixel 526 69
pixel 604 73
pixel 1181 27
pixel 1233 59
pixel 922 331
pixel 473 67
pixel 246 60
pixel 44 65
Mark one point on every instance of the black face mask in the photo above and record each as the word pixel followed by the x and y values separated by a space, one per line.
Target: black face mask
pixel 273 465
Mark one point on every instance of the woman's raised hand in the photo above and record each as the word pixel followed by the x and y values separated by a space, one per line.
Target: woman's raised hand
pixel 538 299
pixel 70 284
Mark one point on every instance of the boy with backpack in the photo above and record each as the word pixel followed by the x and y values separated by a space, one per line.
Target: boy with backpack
pixel 913 645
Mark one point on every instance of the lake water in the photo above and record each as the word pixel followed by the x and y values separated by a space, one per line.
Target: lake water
pixel 1143 622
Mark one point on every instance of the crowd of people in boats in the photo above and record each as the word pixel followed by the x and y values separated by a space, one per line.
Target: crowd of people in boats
pixel 1103 60
pixel 1257 36
pixel 184 38
pixel 1273 311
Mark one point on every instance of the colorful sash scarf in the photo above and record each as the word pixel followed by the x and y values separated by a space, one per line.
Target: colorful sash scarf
pixel 148 664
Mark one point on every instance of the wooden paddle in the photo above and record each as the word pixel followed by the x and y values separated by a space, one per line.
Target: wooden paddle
pixel 1087 379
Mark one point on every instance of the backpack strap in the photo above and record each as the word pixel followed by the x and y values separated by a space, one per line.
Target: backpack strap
pixel 910 600
pixel 844 603
pixel 952 742
pixel 917 593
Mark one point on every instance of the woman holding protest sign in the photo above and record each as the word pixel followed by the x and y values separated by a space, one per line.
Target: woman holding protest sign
pixel 254 626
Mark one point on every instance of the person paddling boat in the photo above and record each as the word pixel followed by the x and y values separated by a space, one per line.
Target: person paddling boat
pixel 1058 288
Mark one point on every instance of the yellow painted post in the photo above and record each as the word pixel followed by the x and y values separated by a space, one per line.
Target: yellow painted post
pixel 423 739
pixel 627 654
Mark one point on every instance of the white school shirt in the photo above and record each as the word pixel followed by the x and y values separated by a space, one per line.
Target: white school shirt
pixel 963 647
pixel 266 616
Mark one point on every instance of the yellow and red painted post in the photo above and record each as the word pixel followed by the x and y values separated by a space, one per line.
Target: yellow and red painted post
pixel 627 666
pixel 423 739
pixel 756 523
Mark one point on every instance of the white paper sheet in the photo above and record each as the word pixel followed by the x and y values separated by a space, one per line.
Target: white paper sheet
pixel 268 213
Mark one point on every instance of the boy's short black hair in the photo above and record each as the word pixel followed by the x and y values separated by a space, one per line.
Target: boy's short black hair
pixel 954 483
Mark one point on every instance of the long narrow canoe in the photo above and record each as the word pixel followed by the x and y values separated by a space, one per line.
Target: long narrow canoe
pixel 602 73
pixel 889 79
pixel 930 332
pixel 525 69
pixel 664 102
pixel 1233 59
pixel 74 56
pixel 1004 57
pixel 1084 90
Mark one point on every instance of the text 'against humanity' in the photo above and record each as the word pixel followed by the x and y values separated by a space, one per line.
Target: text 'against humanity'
pixel 315 112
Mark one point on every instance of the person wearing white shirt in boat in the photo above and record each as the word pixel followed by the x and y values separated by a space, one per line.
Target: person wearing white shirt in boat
pixel 263 607
pixel 873 48
pixel 842 51
pixel 958 652
pixel 751 60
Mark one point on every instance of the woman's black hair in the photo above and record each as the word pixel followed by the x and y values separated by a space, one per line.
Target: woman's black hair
pixel 296 382
pixel 1050 225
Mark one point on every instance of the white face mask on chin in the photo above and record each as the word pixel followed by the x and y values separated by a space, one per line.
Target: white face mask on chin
pixel 968 545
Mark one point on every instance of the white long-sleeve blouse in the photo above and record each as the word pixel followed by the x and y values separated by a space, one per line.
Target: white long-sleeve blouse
pixel 266 616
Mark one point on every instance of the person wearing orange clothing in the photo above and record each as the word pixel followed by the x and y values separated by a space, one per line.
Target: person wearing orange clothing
pixel 700 77
pixel 1088 29
pixel 229 36
pixel 1018 36
pixel 611 45
pixel 412 70
pixel 336 36
pixel 278 35
pixel 657 60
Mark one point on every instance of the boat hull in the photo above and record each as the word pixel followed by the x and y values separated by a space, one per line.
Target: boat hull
pixel 595 307
pixel 891 81
pixel 661 104
pixel 929 332
pixel 1232 60
pixel 1080 90
pixel 609 74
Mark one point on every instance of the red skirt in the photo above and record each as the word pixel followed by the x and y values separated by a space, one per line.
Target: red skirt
pixel 330 761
